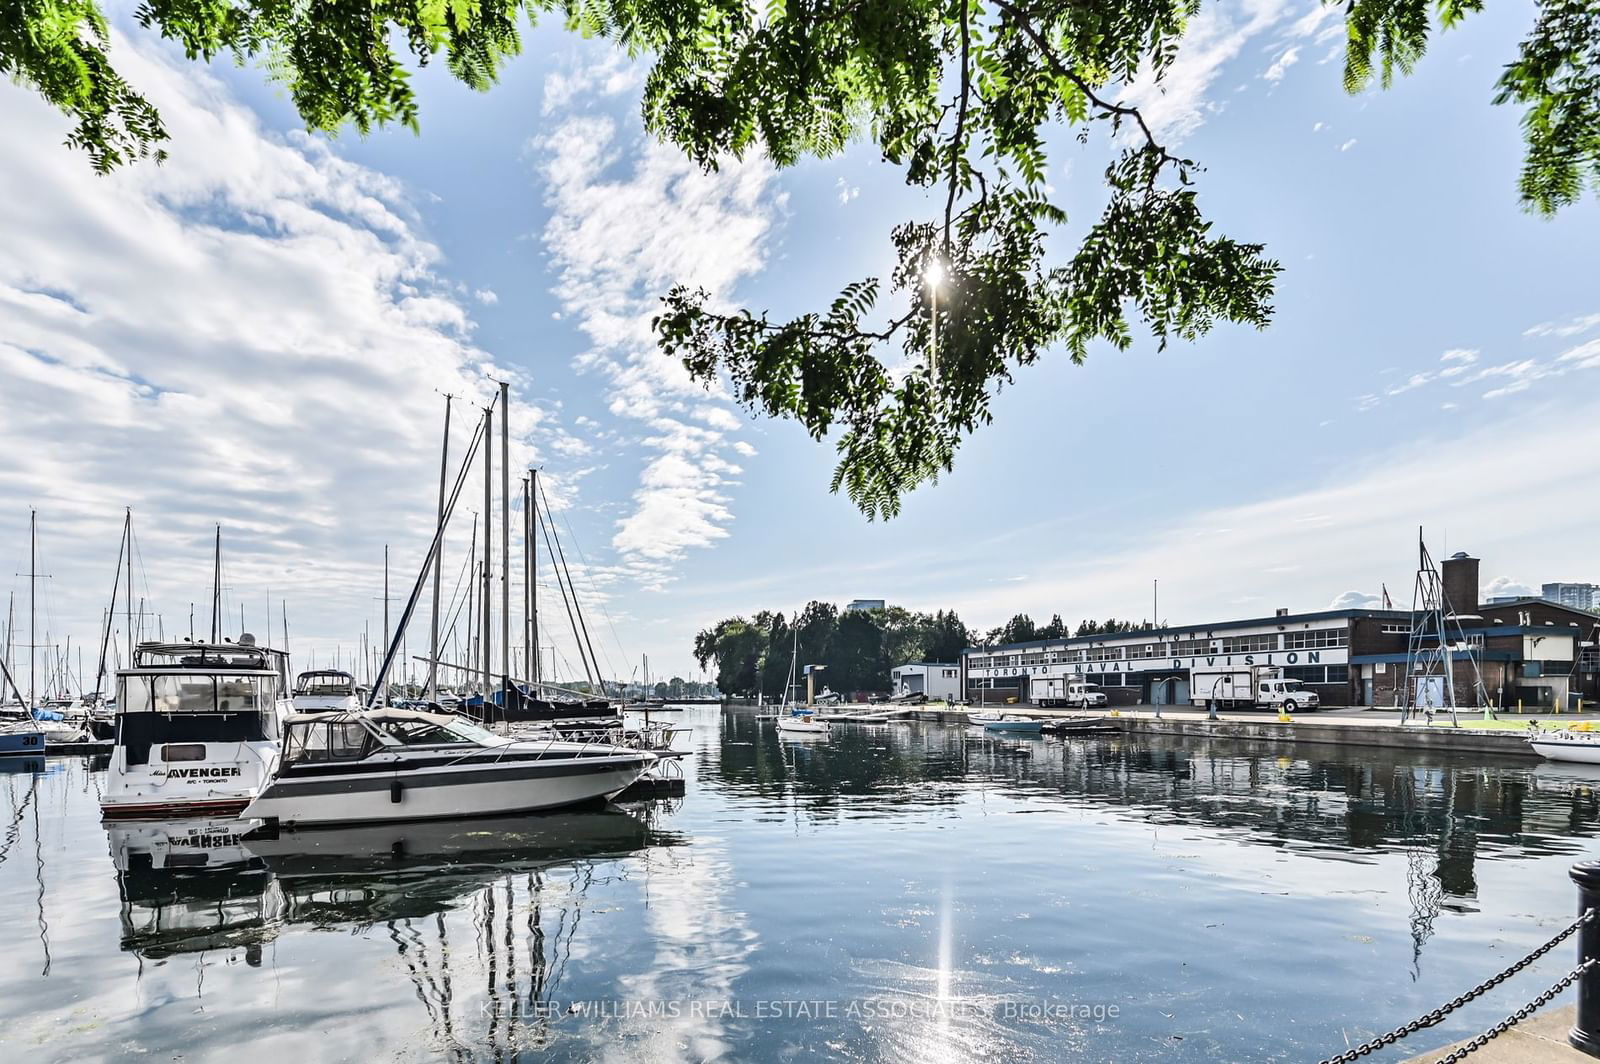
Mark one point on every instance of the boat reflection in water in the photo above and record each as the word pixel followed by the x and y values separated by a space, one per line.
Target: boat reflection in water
pixel 193 886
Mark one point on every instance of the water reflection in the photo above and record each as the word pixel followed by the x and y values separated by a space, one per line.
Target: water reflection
pixel 1338 803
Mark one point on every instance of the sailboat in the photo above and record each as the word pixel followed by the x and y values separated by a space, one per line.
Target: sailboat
pixel 796 719
pixel 26 736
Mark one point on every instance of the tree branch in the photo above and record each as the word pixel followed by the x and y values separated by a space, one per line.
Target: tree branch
pixel 956 148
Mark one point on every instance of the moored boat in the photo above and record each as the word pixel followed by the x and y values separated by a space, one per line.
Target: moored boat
pixel 802 722
pixel 398 764
pixel 325 689
pixel 1579 746
pixel 197 729
pixel 1006 723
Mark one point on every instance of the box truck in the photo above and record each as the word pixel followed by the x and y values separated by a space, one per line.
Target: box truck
pixel 1065 691
pixel 1248 687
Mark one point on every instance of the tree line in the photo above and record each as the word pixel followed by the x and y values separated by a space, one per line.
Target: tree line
pixel 857 648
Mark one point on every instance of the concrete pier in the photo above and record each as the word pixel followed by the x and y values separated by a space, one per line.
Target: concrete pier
pixel 1540 1039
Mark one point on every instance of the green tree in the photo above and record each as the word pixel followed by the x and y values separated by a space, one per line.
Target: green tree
pixel 736 646
pixel 946 638
pixel 961 95
pixel 1019 629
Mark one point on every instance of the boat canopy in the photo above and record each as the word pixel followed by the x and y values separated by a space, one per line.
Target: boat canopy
pixel 207 657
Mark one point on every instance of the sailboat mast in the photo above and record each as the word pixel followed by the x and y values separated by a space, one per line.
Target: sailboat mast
pixel 527 583
pixel 127 532
pixel 505 539
pixel 438 560
pixel 384 695
pixel 536 661
pixel 33 593
pixel 216 586
pixel 486 638
pixel 105 636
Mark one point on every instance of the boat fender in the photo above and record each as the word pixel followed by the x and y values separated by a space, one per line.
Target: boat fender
pixel 394 792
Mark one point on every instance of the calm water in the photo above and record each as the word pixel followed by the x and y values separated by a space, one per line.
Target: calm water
pixel 906 893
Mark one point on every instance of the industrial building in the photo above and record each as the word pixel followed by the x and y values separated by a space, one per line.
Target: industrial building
pixel 865 604
pixel 1530 650
pixel 936 679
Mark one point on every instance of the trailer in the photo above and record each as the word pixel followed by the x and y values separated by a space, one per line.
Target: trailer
pixel 1072 691
pixel 1248 687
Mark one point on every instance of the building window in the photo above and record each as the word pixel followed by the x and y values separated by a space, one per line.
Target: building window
pixel 1105 653
pixel 1306 673
pixel 1314 639
pixel 1250 644
pixel 1189 647
pixel 1396 629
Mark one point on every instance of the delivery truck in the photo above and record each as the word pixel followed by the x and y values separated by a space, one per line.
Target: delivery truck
pixel 1248 687
pixel 1071 691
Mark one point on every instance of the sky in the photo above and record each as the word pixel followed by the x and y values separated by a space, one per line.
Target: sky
pixel 261 334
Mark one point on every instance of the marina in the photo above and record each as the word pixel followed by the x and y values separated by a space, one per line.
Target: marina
pixel 747 920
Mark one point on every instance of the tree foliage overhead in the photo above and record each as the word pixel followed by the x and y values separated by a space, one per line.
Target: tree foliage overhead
pixel 961 95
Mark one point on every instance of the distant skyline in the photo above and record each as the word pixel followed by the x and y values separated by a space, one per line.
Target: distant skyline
pixel 261 332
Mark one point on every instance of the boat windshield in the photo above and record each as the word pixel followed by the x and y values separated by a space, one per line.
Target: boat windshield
pixel 427 733
pixel 332 684
pixel 196 693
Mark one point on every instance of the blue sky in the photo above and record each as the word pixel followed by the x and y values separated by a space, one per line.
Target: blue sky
pixel 259 333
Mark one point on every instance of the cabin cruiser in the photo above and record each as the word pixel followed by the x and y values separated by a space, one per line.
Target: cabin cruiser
pixel 401 764
pixel 197 728
pixel 325 689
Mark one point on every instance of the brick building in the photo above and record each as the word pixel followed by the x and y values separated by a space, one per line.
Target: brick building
pixel 1529 649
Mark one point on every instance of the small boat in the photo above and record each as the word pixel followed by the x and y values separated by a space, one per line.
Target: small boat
pixel 1080 725
pixel 1006 723
pixel 1578 746
pixel 198 726
pixel 325 689
pixel 390 764
pixel 803 722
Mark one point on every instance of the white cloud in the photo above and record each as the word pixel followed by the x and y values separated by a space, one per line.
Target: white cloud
pixel 486 296
pixel 254 333
pixel 1458 361
pixel 846 191
pixel 1281 65
pixel 1575 327
pixel 1584 356
pixel 1504 585
pixel 1416 380
pixel 1319 127
pixel 1347 145
pixel 1356 600
pixel 1177 105
pixel 619 235
pixel 607 73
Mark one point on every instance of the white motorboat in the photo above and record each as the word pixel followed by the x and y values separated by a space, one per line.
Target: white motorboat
pixel 198 726
pixel 1581 746
pixel 325 689
pixel 400 764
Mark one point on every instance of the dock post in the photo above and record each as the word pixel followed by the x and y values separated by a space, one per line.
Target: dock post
pixel 1585 1033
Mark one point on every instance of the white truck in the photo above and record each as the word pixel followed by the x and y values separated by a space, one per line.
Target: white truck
pixel 1248 687
pixel 1048 691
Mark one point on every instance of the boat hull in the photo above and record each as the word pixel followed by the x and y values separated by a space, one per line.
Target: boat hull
pixel 449 792
pixel 1586 752
pixel 22 744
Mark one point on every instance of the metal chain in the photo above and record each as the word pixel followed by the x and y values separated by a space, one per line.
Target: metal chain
pixel 1450 1006
pixel 1517 1017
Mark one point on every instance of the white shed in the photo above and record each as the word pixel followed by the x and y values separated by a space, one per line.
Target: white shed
pixel 936 679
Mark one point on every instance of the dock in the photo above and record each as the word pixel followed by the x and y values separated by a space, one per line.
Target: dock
pixel 1540 1039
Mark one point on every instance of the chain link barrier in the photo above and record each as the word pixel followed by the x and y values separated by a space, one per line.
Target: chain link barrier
pixel 1478 991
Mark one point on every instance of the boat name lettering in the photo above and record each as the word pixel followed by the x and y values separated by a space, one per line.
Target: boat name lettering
pixel 202 773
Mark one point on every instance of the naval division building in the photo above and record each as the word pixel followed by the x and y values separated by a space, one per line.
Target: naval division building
pixel 1530 650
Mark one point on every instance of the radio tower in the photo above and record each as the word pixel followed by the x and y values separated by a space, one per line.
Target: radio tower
pixel 1430 652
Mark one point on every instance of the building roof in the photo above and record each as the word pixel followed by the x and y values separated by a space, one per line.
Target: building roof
pixel 930 665
pixel 1193 630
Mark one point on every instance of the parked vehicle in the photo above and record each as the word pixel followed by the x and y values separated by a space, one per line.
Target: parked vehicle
pixel 1249 687
pixel 1074 692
